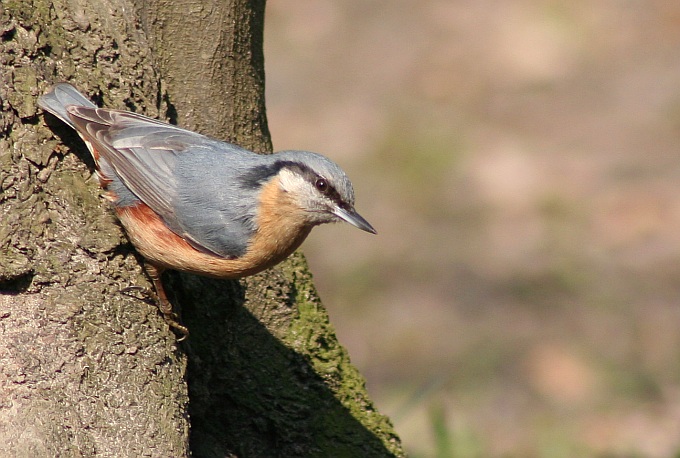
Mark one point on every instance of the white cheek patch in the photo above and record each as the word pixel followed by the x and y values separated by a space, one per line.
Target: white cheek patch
pixel 299 190
pixel 291 182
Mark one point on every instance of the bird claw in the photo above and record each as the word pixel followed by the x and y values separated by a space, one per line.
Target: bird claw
pixel 171 318
pixel 128 290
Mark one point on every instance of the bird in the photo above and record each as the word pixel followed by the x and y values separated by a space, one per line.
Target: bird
pixel 192 203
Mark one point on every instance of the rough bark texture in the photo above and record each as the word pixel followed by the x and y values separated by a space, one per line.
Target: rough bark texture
pixel 86 370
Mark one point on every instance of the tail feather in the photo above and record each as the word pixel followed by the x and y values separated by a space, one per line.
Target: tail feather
pixel 60 97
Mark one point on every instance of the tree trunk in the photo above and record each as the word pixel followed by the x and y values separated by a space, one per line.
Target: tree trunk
pixel 86 370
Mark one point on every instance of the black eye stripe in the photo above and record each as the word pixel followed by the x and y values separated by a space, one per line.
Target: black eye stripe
pixel 256 176
pixel 313 178
pixel 333 195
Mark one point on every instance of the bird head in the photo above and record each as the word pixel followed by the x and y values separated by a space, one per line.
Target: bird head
pixel 319 188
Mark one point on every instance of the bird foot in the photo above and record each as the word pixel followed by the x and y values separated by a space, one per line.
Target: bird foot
pixel 169 315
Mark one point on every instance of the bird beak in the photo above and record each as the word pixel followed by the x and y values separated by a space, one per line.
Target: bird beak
pixel 354 218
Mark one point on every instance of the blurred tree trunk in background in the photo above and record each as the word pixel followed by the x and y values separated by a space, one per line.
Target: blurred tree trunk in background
pixel 86 370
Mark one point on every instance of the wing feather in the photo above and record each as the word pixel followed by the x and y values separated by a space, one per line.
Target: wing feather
pixel 169 169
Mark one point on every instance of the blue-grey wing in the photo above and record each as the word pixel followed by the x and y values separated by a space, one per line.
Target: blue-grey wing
pixel 188 179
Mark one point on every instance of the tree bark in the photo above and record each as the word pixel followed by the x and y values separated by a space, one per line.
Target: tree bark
pixel 86 370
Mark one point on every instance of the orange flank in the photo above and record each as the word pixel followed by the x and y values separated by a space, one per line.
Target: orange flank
pixel 282 234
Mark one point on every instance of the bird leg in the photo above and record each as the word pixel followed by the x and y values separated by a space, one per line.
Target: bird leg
pixel 164 305
pixel 161 299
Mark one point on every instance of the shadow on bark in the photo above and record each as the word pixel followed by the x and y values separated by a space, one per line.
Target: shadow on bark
pixel 251 395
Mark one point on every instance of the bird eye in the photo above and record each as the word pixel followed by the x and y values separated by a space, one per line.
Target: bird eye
pixel 321 185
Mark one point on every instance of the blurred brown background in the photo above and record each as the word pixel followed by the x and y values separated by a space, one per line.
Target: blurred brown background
pixel 521 163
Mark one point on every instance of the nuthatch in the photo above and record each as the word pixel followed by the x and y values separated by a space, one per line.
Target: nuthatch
pixel 195 204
